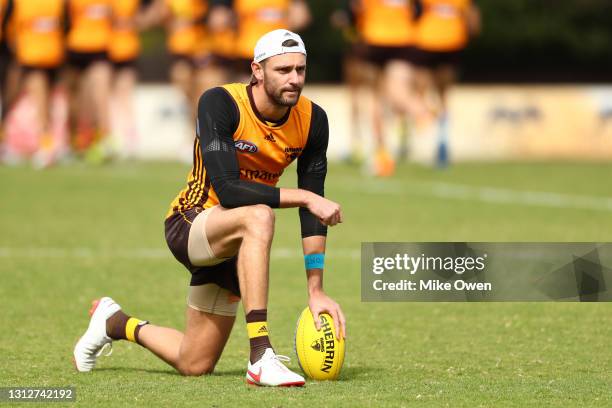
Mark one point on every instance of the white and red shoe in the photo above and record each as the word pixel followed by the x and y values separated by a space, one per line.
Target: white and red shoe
pixel 95 340
pixel 270 371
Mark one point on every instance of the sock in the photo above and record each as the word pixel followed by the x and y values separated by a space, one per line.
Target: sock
pixel 123 327
pixel 442 156
pixel 257 328
pixel 404 134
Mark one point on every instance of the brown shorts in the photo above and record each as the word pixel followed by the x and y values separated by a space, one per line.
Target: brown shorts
pixel 380 56
pixel 430 59
pixel 223 274
pixel 82 60
pixel 131 64
pixel 212 59
pixel 188 59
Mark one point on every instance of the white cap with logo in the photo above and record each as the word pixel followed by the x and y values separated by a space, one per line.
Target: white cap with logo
pixel 278 42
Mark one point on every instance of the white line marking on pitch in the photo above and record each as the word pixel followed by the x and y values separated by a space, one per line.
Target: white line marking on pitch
pixel 143 253
pixel 490 195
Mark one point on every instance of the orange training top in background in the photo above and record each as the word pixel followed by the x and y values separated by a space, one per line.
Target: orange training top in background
pixel 443 27
pixel 223 42
pixel 2 11
pixel 255 18
pixel 39 36
pixel 125 41
pixel 186 30
pixel 90 25
pixel 10 30
pixel 386 23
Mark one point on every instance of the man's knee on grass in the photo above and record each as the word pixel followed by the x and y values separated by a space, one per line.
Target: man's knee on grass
pixel 196 368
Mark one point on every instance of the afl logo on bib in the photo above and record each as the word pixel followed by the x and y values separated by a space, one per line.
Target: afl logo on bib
pixel 245 146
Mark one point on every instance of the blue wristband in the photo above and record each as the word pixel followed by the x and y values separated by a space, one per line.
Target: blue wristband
pixel 314 261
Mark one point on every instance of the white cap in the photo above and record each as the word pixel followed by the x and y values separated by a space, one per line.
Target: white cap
pixel 271 44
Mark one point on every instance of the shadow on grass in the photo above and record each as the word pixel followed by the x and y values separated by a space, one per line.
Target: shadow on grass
pixel 170 371
pixel 347 374
pixel 127 370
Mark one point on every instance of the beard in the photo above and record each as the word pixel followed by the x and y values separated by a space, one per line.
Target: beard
pixel 281 96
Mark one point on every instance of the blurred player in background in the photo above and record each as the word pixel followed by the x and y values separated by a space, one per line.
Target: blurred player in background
pixel 34 126
pixel 214 55
pixel 257 17
pixel 387 36
pixel 221 225
pixel 89 34
pixel 186 41
pixel 199 37
pixel 4 62
pixel 123 51
pixel 11 71
pixel 443 32
pixel 356 73
pixel 185 30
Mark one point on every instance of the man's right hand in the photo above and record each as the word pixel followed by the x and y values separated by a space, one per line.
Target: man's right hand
pixel 327 211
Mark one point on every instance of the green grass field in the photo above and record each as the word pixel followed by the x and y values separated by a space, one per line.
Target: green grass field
pixel 74 233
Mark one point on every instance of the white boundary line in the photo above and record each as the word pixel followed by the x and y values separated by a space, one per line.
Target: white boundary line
pixel 487 195
pixel 144 253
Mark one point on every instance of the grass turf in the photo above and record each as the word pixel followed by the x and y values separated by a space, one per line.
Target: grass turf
pixel 73 233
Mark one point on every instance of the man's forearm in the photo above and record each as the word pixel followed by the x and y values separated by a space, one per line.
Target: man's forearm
pixel 314 281
pixel 295 197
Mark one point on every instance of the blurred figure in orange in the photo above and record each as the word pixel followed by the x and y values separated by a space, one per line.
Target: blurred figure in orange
pixel 256 17
pixel 443 32
pixel 387 37
pixel 356 74
pixel 9 69
pixel 200 39
pixel 215 51
pixel 39 50
pixel 185 31
pixel 89 34
pixel 123 51
pixel 4 61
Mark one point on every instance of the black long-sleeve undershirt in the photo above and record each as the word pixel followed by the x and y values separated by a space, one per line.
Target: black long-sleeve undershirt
pixel 218 119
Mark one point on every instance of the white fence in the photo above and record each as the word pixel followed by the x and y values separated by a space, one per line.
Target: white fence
pixel 486 123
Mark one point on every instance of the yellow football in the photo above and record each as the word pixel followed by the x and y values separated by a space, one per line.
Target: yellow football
pixel 320 354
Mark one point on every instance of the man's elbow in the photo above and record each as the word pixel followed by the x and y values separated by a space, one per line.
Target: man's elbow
pixel 226 193
pixel 227 199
